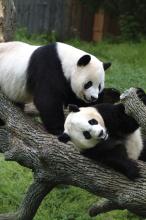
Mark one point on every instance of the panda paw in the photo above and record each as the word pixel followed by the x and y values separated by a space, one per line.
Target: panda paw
pixel 64 137
pixel 141 95
pixel 133 173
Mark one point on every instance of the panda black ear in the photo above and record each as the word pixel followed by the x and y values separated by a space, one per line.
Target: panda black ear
pixel 84 60
pixel 73 108
pixel 106 65
pixel 64 138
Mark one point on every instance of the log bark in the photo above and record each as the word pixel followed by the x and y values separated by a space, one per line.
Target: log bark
pixel 7 20
pixel 53 163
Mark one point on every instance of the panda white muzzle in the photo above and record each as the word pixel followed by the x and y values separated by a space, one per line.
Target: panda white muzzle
pixel 99 133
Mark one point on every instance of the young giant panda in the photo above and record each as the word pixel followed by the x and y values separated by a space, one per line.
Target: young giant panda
pixel 106 134
pixel 52 76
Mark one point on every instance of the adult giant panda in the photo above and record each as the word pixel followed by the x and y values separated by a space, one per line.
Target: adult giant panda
pixel 52 76
pixel 106 134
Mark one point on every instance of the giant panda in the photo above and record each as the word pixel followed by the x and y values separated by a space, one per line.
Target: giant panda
pixel 51 76
pixel 106 134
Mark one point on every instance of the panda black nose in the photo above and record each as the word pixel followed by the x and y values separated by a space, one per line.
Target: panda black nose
pixel 100 134
pixel 93 99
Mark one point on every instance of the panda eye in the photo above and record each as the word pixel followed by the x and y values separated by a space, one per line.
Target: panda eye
pixel 93 122
pixel 87 135
pixel 99 87
pixel 88 85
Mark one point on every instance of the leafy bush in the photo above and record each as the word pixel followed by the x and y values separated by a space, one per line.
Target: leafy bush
pixel 130 13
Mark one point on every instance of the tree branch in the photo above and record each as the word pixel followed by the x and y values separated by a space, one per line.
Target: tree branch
pixel 53 162
pixel 103 206
pixel 35 194
pixel 135 107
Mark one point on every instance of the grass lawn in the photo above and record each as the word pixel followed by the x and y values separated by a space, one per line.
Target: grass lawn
pixel 70 203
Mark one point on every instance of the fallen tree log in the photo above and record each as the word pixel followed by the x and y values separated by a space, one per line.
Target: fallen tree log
pixel 53 163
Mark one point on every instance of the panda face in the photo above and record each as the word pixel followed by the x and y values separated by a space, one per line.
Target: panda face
pixel 85 128
pixel 88 79
pixel 84 71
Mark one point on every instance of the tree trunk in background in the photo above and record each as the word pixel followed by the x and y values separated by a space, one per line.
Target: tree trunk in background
pixel 7 20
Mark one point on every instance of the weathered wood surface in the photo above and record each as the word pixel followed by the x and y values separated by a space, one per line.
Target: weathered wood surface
pixel 135 107
pixel 7 20
pixel 54 163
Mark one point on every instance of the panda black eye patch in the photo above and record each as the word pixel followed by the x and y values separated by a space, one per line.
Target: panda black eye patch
pixel 88 85
pixel 93 122
pixel 87 135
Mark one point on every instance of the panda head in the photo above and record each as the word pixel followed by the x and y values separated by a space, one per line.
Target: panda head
pixel 87 79
pixel 84 127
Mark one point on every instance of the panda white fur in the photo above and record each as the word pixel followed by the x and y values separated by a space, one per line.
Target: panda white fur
pixel 52 76
pixel 106 134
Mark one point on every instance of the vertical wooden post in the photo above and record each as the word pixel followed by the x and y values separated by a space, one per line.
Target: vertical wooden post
pixel 98 27
pixel 7 20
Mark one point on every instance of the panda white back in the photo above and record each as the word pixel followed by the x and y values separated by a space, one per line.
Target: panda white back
pixel 14 59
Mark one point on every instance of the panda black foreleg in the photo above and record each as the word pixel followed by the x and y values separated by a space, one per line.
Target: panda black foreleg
pixel 51 113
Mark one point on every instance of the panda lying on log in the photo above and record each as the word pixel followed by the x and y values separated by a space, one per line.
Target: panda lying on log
pixel 51 76
pixel 105 133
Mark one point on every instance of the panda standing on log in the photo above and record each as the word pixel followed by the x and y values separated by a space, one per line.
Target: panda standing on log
pixel 105 133
pixel 51 76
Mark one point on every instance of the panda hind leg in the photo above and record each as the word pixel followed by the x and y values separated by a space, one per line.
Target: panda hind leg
pixel 114 157
pixel 123 165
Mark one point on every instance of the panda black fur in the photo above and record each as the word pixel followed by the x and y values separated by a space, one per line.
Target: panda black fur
pixel 52 76
pixel 142 96
pixel 116 142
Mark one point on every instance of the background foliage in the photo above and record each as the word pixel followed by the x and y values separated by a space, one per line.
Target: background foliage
pixel 130 13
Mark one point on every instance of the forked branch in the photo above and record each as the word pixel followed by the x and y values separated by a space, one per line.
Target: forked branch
pixel 53 163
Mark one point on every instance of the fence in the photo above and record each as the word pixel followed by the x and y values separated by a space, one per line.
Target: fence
pixel 67 18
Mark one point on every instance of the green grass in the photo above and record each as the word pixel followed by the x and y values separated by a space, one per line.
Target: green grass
pixel 70 203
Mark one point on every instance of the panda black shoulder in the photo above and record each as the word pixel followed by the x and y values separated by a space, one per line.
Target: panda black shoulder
pixel 106 110
pixel 44 65
pixel 115 118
